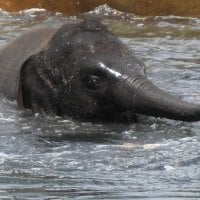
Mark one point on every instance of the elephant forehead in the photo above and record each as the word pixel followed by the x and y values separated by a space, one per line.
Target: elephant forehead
pixel 120 69
pixel 109 54
pixel 95 41
pixel 111 67
pixel 98 47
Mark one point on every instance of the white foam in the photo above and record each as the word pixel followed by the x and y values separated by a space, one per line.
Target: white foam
pixel 169 168
pixel 4 157
pixel 7 119
pixel 32 11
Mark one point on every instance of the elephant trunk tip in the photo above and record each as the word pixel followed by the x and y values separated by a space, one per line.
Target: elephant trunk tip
pixel 172 108
pixel 145 98
pixel 191 114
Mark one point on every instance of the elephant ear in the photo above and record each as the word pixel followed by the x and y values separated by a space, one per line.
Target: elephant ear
pixel 14 55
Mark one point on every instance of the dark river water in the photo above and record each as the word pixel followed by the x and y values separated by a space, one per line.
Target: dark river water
pixel 45 157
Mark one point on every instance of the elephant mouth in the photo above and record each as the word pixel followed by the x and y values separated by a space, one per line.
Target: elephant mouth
pixel 111 113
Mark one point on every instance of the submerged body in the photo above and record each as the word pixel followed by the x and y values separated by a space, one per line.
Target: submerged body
pixel 84 71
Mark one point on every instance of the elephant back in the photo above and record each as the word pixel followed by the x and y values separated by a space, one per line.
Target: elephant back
pixel 13 55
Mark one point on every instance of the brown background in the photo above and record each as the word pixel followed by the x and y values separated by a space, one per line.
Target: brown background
pixel 139 7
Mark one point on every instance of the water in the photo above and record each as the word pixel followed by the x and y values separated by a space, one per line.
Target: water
pixel 46 157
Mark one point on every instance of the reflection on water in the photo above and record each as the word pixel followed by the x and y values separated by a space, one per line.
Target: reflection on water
pixel 46 157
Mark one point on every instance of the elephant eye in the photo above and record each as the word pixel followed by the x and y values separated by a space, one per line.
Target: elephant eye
pixel 93 82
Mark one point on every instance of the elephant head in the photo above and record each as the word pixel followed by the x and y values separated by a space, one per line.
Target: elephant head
pixel 87 72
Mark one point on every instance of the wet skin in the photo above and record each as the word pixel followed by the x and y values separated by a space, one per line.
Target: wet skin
pixel 85 72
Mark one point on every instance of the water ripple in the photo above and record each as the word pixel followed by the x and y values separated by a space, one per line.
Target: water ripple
pixel 48 157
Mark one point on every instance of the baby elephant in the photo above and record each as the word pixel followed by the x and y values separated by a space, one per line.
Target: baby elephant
pixel 83 71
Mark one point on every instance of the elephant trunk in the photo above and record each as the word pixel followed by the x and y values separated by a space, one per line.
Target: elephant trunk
pixel 141 96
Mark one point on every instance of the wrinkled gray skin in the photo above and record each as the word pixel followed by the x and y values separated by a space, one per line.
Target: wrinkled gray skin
pixel 86 72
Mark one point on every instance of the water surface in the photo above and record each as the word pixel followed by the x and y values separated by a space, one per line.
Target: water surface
pixel 46 157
